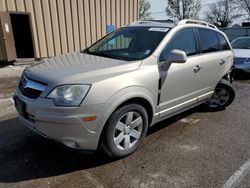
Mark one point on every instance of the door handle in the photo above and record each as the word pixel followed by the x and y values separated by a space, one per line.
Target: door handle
pixel 197 68
pixel 222 62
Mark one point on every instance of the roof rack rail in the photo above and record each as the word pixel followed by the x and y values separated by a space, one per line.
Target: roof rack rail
pixel 139 22
pixel 187 21
pixel 163 21
pixel 154 22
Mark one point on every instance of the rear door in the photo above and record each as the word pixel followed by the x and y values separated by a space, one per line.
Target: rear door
pixel 214 59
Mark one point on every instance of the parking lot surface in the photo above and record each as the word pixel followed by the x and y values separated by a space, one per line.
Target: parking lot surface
pixel 194 149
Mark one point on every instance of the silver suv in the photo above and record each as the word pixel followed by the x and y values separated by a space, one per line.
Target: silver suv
pixel 107 95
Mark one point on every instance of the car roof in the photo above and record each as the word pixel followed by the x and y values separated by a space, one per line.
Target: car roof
pixel 171 24
pixel 152 24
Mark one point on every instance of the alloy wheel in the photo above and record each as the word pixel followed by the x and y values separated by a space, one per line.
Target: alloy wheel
pixel 128 130
pixel 219 98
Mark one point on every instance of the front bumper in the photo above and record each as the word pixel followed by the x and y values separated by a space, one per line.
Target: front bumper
pixel 62 124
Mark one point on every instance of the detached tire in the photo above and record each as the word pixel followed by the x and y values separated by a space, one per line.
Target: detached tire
pixel 223 96
pixel 124 131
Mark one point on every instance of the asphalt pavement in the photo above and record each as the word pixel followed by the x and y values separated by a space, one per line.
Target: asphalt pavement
pixel 194 149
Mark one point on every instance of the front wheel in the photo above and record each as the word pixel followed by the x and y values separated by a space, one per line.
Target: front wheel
pixel 124 131
pixel 223 96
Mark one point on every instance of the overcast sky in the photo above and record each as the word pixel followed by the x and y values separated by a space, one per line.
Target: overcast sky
pixel 158 8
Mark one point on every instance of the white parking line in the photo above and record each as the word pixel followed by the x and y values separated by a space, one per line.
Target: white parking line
pixel 8 99
pixel 12 100
pixel 235 179
pixel 12 67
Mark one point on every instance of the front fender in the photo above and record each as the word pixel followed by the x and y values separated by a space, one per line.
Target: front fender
pixel 124 95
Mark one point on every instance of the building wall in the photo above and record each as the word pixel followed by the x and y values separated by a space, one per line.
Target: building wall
pixel 62 26
pixel 235 32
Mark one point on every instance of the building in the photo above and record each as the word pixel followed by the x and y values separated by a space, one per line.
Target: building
pixel 235 32
pixel 45 28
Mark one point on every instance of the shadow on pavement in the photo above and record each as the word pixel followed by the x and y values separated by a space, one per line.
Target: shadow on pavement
pixel 239 75
pixel 4 64
pixel 176 118
pixel 25 155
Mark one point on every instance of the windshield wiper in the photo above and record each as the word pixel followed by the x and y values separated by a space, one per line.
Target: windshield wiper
pixel 102 54
pixel 86 50
pixel 105 55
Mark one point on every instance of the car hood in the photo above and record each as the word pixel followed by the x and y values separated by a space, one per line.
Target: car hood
pixel 78 68
pixel 241 53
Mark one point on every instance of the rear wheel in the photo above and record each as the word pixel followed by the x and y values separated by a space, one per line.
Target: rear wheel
pixel 125 130
pixel 223 96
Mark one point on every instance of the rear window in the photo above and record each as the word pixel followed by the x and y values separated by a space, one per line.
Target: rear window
pixel 223 43
pixel 209 41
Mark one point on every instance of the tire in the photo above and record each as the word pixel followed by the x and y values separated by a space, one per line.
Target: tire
pixel 223 96
pixel 128 126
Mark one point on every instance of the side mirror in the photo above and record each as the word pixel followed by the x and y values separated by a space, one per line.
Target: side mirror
pixel 175 56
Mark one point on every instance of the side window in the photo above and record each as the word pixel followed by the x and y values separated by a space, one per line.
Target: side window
pixel 209 41
pixel 183 40
pixel 223 43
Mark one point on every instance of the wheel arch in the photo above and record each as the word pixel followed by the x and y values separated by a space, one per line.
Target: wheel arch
pixel 133 94
pixel 141 101
pixel 137 100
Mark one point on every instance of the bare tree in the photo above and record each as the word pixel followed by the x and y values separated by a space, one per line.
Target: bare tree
pixel 245 5
pixel 183 9
pixel 222 13
pixel 144 10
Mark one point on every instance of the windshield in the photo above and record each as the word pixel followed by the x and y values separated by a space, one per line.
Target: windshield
pixel 129 43
pixel 241 43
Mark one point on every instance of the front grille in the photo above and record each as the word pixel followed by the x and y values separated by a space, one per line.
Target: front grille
pixel 30 88
pixel 239 60
pixel 30 93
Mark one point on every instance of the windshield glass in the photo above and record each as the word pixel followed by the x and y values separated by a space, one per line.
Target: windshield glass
pixel 241 43
pixel 129 43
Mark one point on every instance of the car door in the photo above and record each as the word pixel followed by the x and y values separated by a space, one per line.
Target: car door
pixel 215 56
pixel 180 84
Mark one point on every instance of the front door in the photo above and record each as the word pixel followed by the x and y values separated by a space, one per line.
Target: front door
pixel 8 50
pixel 181 83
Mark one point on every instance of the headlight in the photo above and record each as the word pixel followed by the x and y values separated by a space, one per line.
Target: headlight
pixel 69 95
